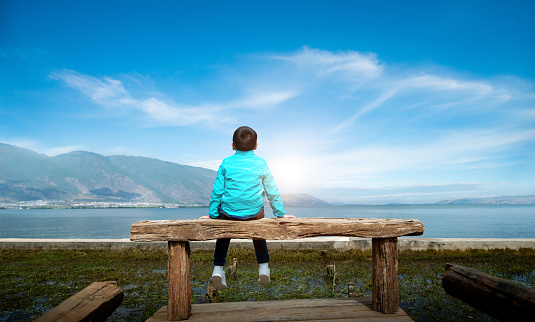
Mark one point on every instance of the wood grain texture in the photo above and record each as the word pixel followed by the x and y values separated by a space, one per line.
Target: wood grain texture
pixel 499 298
pixel 385 275
pixel 94 303
pixel 272 229
pixel 179 289
pixel 333 309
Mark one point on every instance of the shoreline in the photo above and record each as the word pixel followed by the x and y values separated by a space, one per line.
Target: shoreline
pixel 317 243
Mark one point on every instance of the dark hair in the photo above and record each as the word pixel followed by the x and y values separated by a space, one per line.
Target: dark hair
pixel 244 139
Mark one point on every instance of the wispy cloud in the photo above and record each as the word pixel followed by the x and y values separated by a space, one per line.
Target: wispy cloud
pixel 212 165
pixel 105 91
pixel 325 64
pixel 110 92
pixel 446 84
pixel 456 150
pixel 366 86
pixel 165 113
pixel 261 99
pixel 368 107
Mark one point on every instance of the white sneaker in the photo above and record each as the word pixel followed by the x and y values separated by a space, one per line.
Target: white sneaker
pixel 263 273
pixel 218 278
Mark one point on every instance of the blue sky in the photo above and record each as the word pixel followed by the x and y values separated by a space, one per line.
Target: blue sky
pixel 354 101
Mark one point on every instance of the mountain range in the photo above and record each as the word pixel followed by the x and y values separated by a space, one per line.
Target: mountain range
pixel 500 200
pixel 82 176
pixel 86 176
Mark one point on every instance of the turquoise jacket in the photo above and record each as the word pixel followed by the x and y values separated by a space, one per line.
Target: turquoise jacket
pixel 242 180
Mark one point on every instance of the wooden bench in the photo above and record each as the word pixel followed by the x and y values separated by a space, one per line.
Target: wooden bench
pixel 178 234
pixel 94 303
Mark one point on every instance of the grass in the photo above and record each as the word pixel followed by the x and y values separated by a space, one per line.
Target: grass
pixel 34 281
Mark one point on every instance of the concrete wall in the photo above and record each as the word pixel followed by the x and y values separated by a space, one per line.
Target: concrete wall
pixel 318 243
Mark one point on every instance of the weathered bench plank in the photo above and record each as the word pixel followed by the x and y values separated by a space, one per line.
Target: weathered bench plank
pixel 273 229
pixel 94 303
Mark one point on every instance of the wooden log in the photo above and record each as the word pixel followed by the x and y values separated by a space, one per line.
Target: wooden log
pixel 179 289
pixel 94 303
pixel 272 229
pixel 385 294
pixel 499 298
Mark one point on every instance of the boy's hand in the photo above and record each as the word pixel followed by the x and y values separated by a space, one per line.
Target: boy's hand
pixel 288 216
pixel 205 217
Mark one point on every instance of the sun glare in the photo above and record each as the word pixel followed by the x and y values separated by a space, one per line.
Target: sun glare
pixel 290 174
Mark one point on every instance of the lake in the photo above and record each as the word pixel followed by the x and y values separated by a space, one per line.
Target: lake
pixel 440 221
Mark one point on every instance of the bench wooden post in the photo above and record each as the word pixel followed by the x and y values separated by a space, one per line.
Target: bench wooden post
pixel 385 297
pixel 179 289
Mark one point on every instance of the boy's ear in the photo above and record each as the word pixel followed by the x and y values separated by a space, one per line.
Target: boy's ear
pixel 256 146
pixel 233 147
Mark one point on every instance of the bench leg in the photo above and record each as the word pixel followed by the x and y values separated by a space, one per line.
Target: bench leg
pixel 179 306
pixel 385 275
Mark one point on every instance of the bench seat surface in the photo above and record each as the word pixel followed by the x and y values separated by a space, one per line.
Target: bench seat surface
pixel 273 228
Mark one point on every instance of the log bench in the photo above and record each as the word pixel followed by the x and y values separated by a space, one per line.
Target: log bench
pixel 94 303
pixel 178 234
pixel 499 298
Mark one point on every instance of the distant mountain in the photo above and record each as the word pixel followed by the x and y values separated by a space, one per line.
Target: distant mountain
pixel 501 200
pixel 82 176
pixel 85 176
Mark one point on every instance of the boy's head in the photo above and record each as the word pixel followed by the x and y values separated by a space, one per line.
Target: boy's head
pixel 244 139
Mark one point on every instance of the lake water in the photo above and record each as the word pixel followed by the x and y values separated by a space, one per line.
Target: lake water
pixel 440 221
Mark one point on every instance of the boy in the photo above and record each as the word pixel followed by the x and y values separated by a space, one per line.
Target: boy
pixel 242 180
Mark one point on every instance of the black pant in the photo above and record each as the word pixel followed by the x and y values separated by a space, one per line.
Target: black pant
pixel 222 244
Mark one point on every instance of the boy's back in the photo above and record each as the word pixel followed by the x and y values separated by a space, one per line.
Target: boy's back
pixel 241 182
